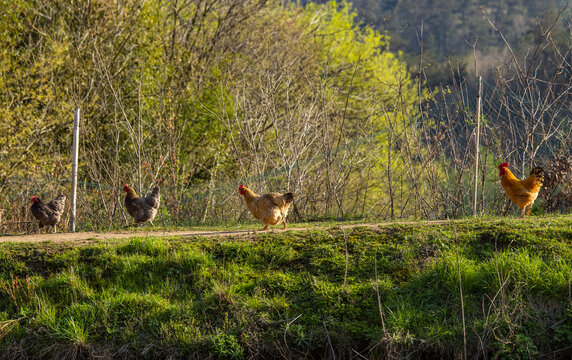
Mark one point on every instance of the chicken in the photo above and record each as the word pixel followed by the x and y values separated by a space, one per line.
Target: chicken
pixel 50 213
pixel 521 192
pixel 271 209
pixel 142 209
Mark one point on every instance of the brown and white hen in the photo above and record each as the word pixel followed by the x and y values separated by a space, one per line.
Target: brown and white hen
pixel 50 213
pixel 271 209
pixel 142 209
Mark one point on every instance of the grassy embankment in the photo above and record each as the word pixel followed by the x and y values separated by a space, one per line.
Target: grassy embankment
pixel 355 292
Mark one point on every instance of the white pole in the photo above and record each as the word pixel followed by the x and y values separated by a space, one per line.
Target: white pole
pixel 74 168
pixel 477 143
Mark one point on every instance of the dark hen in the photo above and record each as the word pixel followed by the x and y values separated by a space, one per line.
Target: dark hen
pixel 50 213
pixel 142 209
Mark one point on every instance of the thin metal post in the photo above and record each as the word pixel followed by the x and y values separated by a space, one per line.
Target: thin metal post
pixel 75 152
pixel 477 140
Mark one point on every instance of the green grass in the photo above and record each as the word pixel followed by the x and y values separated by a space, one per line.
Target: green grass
pixel 249 224
pixel 388 291
pixel 253 224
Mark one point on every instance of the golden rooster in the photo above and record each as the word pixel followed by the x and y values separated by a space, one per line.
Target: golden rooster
pixel 271 209
pixel 521 192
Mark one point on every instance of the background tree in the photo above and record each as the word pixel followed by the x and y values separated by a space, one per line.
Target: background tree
pixel 204 95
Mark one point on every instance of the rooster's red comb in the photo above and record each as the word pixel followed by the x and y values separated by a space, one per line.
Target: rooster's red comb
pixel 503 165
pixel 241 186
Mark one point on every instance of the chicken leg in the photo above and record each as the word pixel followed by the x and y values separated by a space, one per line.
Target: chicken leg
pixel 529 208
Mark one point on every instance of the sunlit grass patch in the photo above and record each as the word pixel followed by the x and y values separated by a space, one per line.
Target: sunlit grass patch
pixel 390 290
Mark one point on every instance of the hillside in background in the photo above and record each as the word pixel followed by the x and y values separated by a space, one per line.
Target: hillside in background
pixel 450 27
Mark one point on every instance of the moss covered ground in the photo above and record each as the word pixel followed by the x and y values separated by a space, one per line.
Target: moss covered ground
pixel 361 293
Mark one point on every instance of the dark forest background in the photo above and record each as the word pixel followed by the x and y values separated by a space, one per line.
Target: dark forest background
pixel 452 27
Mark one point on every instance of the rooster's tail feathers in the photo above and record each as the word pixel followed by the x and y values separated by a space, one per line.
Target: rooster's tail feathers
pixel 288 198
pixel 58 204
pixel 538 172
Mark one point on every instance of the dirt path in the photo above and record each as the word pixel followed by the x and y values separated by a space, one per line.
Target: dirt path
pixel 90 236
